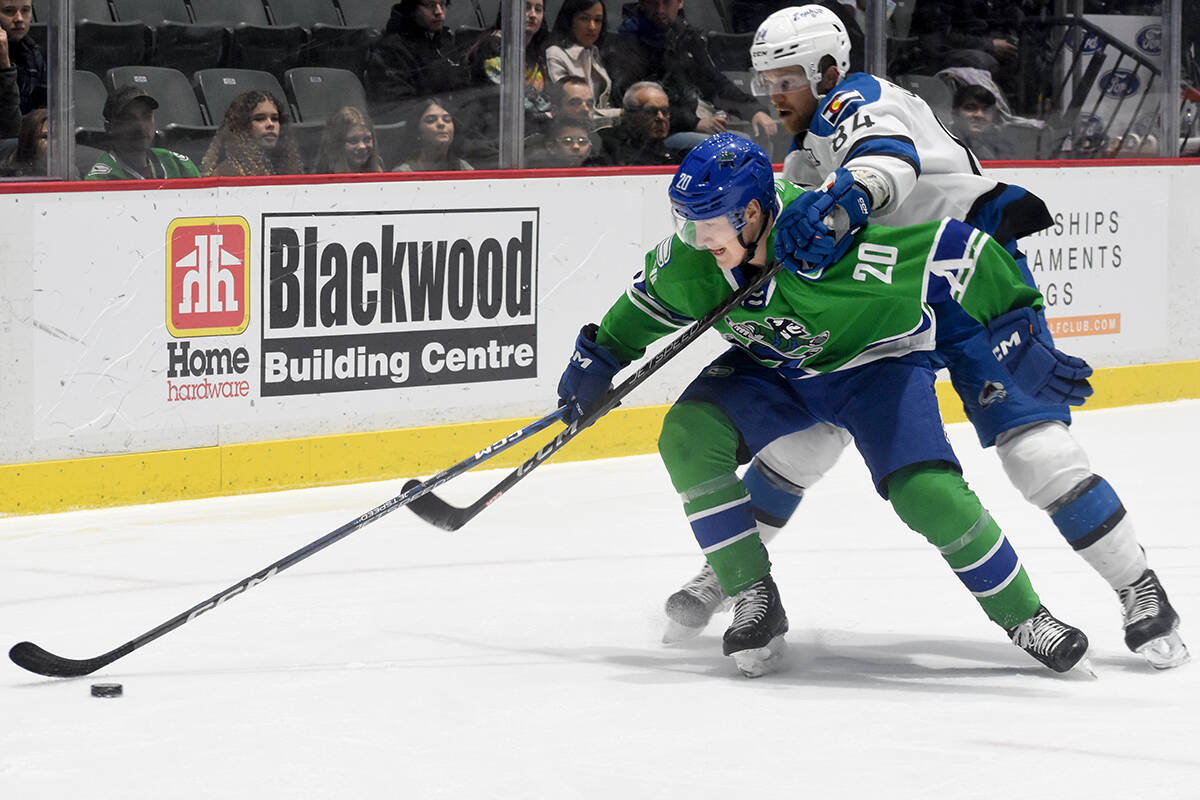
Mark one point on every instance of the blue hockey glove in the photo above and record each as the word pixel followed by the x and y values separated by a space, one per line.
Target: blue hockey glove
pixel 1021 343
pixel 588 375
pixel 803 240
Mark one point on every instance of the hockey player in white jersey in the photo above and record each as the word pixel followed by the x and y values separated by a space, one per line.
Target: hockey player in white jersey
pixel 880 153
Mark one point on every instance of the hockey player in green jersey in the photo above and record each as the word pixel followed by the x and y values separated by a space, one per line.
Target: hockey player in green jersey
pixel 847 345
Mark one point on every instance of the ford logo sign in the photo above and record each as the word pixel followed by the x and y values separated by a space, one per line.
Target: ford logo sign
pixel 1091 42
pixel 1149 39
pixel 1119 83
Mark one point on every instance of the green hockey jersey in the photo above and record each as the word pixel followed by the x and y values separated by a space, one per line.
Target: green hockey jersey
pixel 163 164
pixel 875 302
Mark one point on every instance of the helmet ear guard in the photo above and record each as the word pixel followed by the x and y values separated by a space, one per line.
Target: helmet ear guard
pixel 801 36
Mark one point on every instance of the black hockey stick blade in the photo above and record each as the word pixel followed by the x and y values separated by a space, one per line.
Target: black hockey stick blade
pixel 438 512
pixel 435 510
pixel 30 656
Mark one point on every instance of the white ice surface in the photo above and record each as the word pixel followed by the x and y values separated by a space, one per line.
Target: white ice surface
pixel 519 657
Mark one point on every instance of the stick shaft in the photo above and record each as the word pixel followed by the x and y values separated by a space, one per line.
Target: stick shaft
pixel 438 512
pixel 35 659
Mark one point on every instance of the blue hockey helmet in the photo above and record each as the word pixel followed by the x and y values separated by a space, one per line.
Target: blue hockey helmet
pixel 714 184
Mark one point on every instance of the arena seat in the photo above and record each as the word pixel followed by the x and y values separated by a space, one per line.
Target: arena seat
pixel 317 92
pixel 219 86
pixel 256 43
pixel 90 94
pixel 330 43
pixel 100 46
pixel 151 12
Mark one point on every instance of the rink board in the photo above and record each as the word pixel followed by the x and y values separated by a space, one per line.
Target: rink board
pixel 213 337
pixel 323 461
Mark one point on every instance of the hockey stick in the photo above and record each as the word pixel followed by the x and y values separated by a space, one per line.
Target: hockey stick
pixel 438 512
pixel 28 655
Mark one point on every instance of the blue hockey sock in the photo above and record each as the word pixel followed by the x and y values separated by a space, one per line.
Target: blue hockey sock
pixel 1087 513
pixel 773 498
pixel 1093 521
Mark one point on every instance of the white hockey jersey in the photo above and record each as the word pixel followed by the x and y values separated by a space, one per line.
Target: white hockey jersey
pixel 865 122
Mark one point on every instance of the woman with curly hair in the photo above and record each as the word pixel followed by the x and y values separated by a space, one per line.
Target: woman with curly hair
pixel 255 138
pixel 348 144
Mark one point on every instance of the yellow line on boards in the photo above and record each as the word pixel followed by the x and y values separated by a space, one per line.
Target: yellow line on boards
pixel 127 479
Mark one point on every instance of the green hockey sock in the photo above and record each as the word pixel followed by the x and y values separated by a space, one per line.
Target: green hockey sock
pixel 936 502
pixel 699 447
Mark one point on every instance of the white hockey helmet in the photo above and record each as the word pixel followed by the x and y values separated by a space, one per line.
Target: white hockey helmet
pixel 800 36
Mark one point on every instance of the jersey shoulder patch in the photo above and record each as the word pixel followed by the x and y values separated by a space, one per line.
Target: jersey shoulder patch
pixel 840 104
pixel 847 97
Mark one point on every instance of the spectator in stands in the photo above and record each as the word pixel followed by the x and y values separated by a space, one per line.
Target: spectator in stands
pixel 655 44
pixel 129 122
pixel 416 57
pixel 348 144
pixel 977 122
pixel 255 138
pixel 480 136
pixel 429 141
pixel 29 157
pixel 746 15
pixel 486 61
pixel 574 50
pixel 20 57
pixel 566 144
pixel 640 137
pixel 10 92
pixel 965 33
pixel 572 99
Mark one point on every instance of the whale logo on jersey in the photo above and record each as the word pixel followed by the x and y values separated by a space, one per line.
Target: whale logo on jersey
pixel 776 339
pixel 840 103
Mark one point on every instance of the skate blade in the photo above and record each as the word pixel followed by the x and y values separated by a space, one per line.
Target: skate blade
pixel 1165 652
pixel 761 660
pixel 677 633
pixel 1083 668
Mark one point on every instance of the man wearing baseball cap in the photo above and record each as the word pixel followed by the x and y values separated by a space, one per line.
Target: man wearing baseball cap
pixel 129 121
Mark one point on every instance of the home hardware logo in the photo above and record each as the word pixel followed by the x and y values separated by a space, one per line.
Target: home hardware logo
pixel 208 276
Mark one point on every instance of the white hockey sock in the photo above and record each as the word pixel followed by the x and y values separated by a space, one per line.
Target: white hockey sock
pixel 1117 557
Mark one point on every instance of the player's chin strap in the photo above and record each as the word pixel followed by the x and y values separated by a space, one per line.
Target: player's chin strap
pixel 751 247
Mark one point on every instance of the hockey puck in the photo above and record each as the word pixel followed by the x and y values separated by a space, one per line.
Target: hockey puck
pixel 106 690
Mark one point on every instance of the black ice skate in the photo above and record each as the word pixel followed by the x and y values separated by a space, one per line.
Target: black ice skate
pixel 690 608
pixel 1056 644
pixel 755 637
pixel 1151 623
